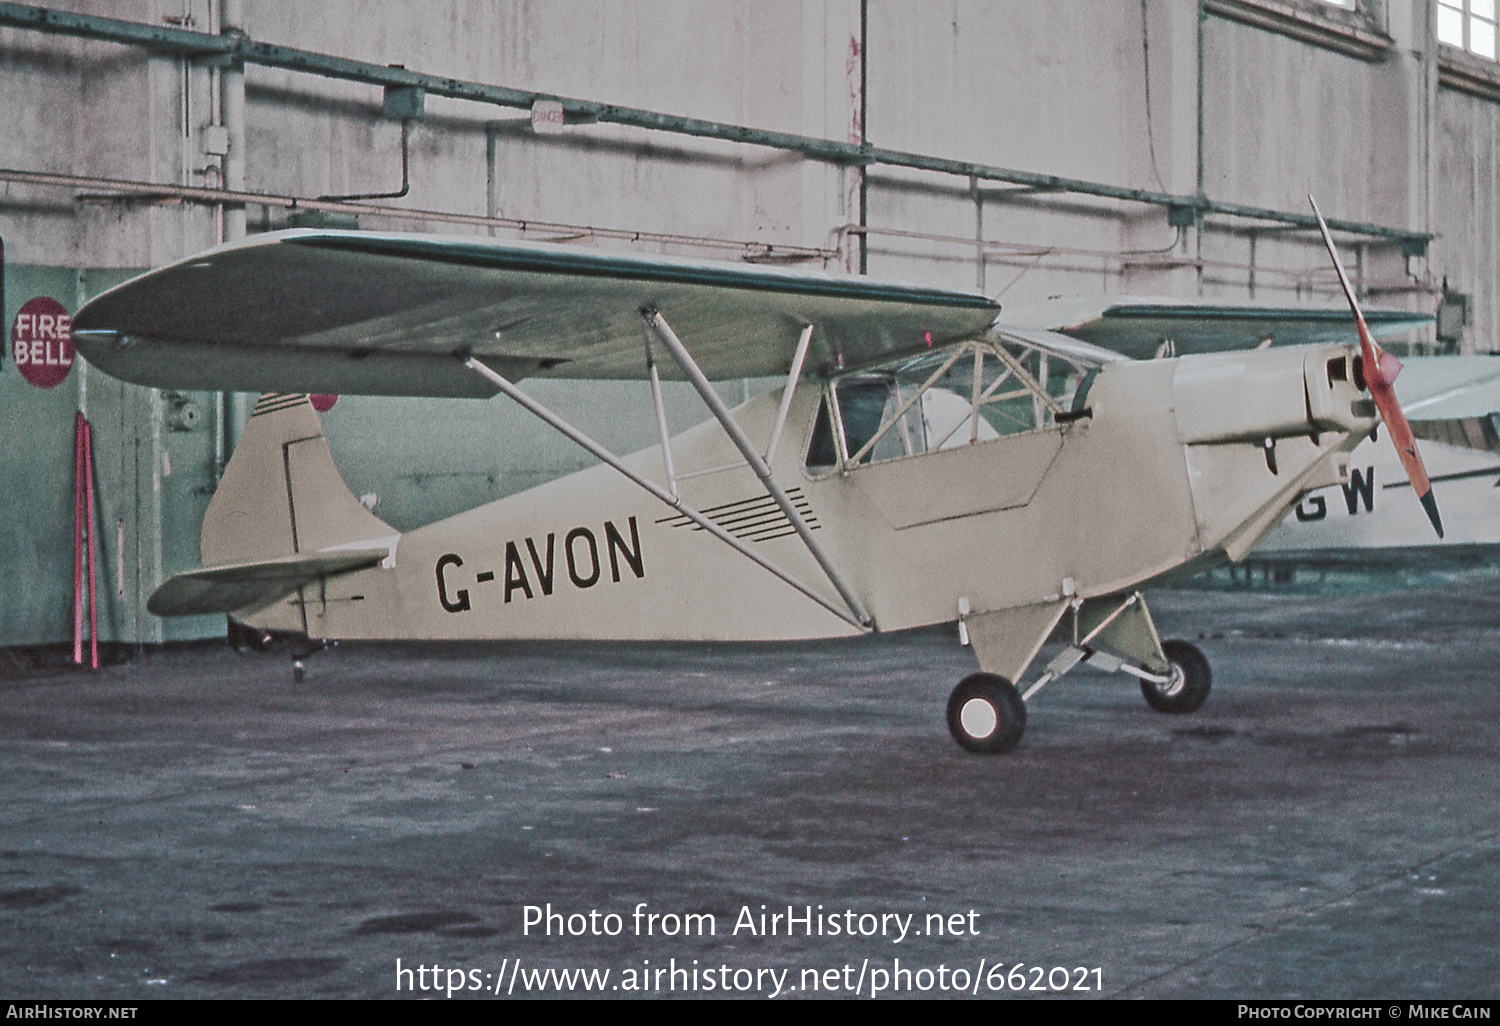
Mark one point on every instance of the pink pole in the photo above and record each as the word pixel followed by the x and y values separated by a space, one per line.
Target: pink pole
pixel 78 489
pixel 88 476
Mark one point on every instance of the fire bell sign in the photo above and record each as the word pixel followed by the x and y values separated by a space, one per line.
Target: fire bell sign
pixel 41 342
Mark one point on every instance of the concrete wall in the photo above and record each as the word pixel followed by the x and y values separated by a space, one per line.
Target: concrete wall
pixel 1467 208
pixel 1057 88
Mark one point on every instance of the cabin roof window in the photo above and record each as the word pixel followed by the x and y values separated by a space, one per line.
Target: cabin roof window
pixel 975 392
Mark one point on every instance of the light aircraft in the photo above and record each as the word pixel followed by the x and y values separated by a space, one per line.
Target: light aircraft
pixel 925 462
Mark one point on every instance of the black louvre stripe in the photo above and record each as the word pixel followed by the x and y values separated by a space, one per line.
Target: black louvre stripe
pixel 275 403
pixel 786 531
pixel 757 519
pixel 795 494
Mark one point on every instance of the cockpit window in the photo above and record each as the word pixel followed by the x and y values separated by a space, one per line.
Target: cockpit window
pixel 978 391
pixel 822 455
pixel 863 406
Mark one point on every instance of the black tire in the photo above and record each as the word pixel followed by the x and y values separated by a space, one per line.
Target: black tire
pixel 1188 688
pixel 247 639
pixel 986 714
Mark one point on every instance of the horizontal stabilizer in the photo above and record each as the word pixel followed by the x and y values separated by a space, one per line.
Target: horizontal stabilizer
pixel 223 589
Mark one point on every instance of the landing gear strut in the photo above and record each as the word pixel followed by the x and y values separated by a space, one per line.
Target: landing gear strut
pixel 986 712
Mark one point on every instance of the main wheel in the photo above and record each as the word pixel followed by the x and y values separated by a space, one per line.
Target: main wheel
pixel 986 714
pixel 1188 680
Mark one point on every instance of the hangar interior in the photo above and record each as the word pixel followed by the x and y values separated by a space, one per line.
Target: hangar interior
pixel 1159 147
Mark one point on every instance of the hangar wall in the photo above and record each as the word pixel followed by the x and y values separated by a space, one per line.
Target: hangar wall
pixel 1247 101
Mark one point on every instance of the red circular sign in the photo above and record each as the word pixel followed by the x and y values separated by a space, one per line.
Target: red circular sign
pixel 41 342
pixel 322 401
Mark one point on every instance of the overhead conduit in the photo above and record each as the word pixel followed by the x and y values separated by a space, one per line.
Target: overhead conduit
pixel 236 47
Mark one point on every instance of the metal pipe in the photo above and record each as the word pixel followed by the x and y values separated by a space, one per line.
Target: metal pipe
pixel 663 331
pixel 221 435
pixel 491 173
pixel 229 222
pixel 232 107
pixel 974 387
pixel 244 50
pixel 216 118
pixel 749 250
pixel 864 130
pixel 1198 221
pixel 156 627
pixel 979 245
pixel 572 433
pixel 405 173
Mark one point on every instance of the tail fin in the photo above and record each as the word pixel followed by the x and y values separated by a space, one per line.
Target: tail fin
pixel 281 493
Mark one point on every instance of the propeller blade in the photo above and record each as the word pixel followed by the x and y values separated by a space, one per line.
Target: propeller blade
pixel 1379 371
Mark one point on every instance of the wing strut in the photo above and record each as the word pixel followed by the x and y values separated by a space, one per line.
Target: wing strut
pixel 661 423
pixel 792 377
pixel 562 426
pixel 664 333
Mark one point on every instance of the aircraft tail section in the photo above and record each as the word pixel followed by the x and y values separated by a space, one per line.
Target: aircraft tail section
pixel 281 493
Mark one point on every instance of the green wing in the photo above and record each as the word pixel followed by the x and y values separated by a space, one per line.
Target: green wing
pixel 392 314
pixel 1138 327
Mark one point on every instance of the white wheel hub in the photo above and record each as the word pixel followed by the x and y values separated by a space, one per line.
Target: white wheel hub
pixel 979 718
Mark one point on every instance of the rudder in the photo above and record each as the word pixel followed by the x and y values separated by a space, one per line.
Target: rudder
pixel 281 493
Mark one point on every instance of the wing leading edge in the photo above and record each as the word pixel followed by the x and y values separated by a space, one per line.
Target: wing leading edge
pixel 387 313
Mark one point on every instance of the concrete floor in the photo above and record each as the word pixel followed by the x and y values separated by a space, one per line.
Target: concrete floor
pixel 195 824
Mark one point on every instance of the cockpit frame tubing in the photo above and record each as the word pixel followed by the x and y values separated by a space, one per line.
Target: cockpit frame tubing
pixel 988 395
pixel 1024 376
pixel 1013 367
pixel 896 417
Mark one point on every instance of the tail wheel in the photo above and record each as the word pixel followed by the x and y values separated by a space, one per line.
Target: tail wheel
pixel 986 714
pixel 1188 680
pixel 243 638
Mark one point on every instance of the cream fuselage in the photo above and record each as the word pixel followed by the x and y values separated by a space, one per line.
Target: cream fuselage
pixel 1166 474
